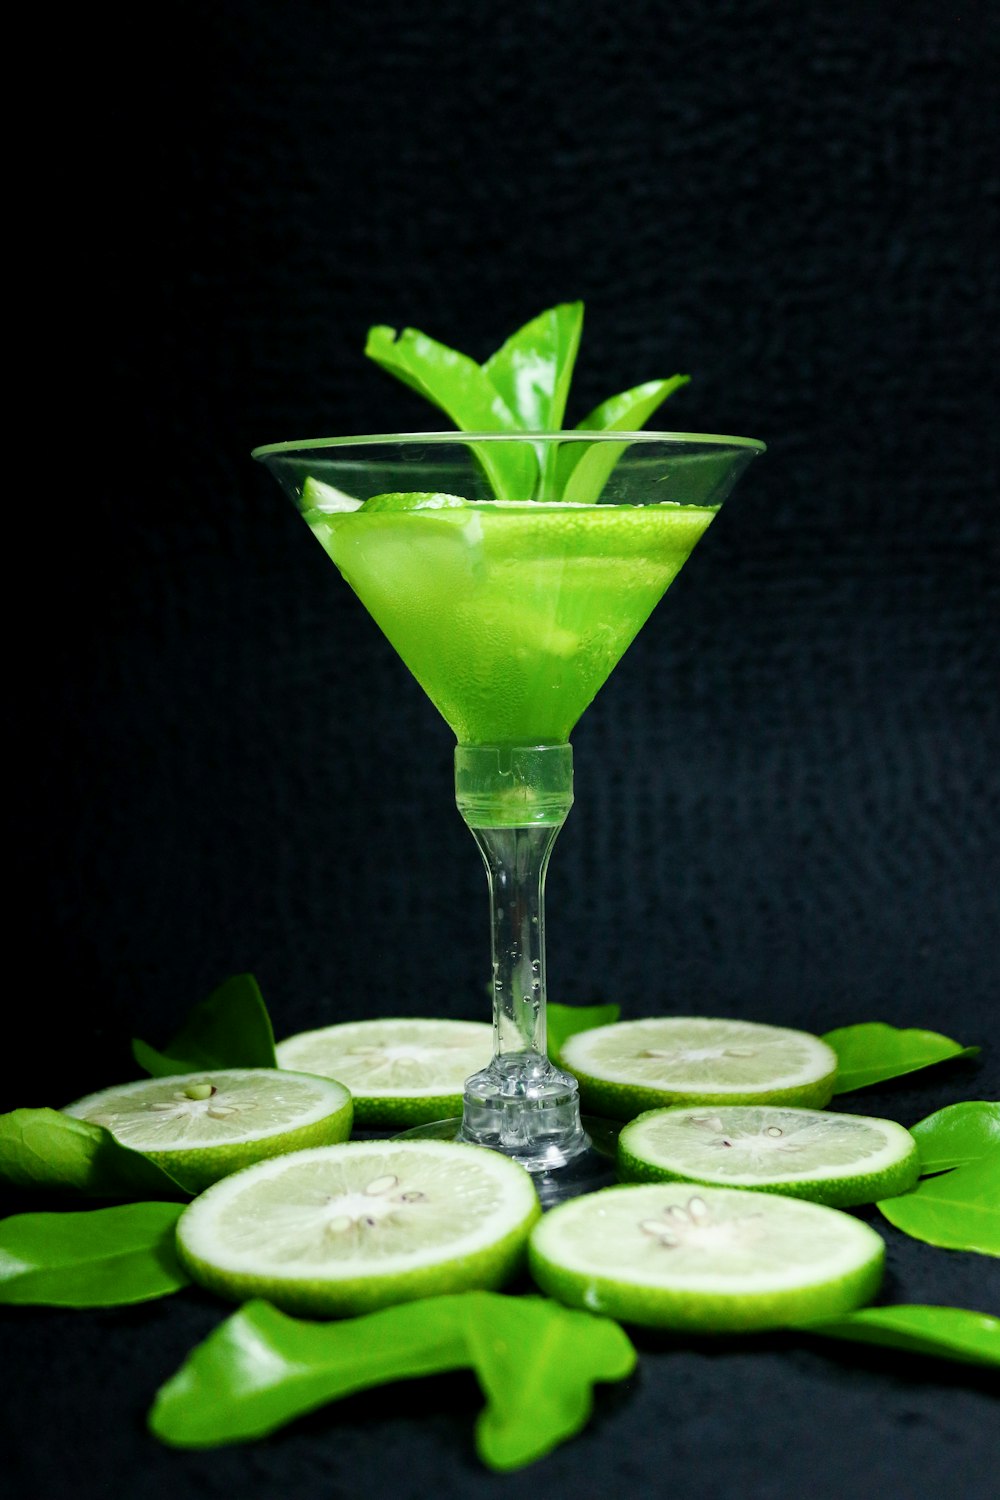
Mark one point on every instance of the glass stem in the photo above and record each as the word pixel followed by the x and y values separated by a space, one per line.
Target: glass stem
pixel 515 800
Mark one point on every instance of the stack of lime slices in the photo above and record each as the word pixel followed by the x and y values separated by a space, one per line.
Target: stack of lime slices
pixel 346 1229
pixel 838 1159
pixel 401 1072
pixel 202 1126
pixel 633 1066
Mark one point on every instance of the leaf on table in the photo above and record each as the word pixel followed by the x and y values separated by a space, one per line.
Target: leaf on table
pixel 43 1148
pixel 261 1369
pixel 107 1257
pixel 957 1210
pixel 872 1051
pixel 955 1333
pixel 582 470
pixel 229 1029
pixel 462 389
pixel 958 1134
pixel 564 1021
pixel 537 1364
pixel 533 369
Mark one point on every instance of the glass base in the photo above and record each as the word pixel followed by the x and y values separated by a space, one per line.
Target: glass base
pixel 589 1169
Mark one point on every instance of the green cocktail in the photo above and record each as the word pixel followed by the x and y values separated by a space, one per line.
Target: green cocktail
pixel 511 601
pixel 511 616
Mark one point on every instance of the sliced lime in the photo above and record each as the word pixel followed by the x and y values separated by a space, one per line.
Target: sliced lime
pixel 414 500
pixel 705 1260
pixel 401 1072
pixel 201 1126
pixel 345 1229
pixel 637 1065
pixel 327 498
pixel 831 1158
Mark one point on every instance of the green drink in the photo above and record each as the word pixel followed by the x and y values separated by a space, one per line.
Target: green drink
pixel 511 616
pixel 510 572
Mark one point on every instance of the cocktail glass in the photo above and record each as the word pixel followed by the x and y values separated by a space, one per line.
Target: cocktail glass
pixel 510 572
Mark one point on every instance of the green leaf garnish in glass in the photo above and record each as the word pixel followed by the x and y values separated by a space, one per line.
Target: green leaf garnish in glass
pixel 230 1029
pixel 108 1257
pixel 523 387
pixel 873 1052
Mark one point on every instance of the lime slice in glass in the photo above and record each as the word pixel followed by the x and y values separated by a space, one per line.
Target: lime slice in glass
pixel 346 1229
pixel 401 1072
pixel 837 1159
pixel 672 1255
pixel 637 1065
pixel 202 1126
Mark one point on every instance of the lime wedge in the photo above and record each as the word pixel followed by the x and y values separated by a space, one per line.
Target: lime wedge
pixel 400 1072
pixel 835 1159
pixel 705 1260
pixel 346 1229
pixel 202 1126
pixel 327 498
pixel 638 1065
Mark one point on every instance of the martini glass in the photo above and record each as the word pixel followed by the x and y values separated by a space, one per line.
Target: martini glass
pixel 510 573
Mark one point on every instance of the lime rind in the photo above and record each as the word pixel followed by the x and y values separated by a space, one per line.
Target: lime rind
pixel 401 1071
pixel 347 1229
pixel 203 1126
pixel 838 1159
pixel 714 1260
pixel 633 1066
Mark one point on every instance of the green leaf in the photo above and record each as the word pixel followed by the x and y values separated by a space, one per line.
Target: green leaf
pixel 537 1364
pixel 582 470
pixel 564 1021
pixel 958 1210
pixel 43 1148
pixel 957 1135
pixel 943 1332
pixel 872 1052
pixel 109 1257
pixel 261 1368
pixel 533 369
pixel 231 1029
pixel 461 388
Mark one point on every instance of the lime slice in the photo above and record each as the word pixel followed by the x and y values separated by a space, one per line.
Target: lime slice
pixel 400 1072
pixel 637 1065
pixel 831 1158
pixel 201 1126
pixel 345 1229
pixel 705 1260
pixel 327 498
pixel 414 500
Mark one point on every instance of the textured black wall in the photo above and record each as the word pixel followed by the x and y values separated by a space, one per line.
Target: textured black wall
pixel 787 796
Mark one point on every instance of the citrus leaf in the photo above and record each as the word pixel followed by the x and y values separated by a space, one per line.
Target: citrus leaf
pixel 582 469
pixel 943 1332
pixel 958 1134
pixel 230 1029
pixel 872 1052
pixel 107 1257
pixel 957 1210
pixel 461 388
pixel 532 370
pixel 537 1364
pixel 260 1369
pixel 43 1148
pixel 564 1021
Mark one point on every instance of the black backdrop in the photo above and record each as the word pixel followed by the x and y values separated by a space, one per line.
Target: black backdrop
pixel 786 796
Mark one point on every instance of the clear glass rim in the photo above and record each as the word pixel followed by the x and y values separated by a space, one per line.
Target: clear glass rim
pixel 450 438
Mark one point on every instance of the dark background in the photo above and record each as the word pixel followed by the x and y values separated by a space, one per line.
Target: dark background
pixel 787 795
